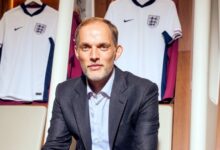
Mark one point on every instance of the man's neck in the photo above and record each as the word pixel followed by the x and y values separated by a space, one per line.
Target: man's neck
pixel 97 86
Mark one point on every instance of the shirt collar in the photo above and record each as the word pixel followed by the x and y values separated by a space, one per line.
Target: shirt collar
pixel 144 5
pixel 23 6
pixel 106 90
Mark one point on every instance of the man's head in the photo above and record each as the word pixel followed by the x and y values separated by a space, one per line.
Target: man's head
pixel 97 48
pixel 112 27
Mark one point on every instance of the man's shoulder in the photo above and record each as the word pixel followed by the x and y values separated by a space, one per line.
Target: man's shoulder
pixel 133 79
pixel 139 81
pixel 71 83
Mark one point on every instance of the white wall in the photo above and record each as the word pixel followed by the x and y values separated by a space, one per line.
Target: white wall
pixel 199 98
pixel 205 77
pixel 214 68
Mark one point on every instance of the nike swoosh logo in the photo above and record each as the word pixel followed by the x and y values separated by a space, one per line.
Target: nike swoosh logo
pixel 127 20
pixel 17 28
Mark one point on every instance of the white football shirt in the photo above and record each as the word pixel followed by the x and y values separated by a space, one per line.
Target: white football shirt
pixel 141 33
pixel 27 38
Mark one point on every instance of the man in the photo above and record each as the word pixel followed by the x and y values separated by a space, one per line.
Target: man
pixel 106 108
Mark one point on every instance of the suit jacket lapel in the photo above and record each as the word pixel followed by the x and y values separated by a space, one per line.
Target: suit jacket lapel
pixel 117 104
pixel 81 111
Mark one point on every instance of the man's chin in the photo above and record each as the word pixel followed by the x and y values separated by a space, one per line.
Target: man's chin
pixel 95 78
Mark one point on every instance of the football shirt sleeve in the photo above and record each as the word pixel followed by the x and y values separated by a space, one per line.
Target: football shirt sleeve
pixel 174 27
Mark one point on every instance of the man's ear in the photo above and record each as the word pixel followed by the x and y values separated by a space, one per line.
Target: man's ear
pixel 119 50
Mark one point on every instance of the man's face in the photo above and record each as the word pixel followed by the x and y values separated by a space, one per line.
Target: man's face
pixel 96 51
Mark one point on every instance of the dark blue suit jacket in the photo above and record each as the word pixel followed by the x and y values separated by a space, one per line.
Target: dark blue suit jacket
pixel 133 115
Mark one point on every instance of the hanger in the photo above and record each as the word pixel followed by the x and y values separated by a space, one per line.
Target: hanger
pixel 33 3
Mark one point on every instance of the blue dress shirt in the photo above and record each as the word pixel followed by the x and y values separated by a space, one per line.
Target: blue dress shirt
pixel 99 114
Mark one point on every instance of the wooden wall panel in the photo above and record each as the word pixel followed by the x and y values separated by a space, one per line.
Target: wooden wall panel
pixel 186 17
pixel 1 8
pixel 101 7
pixel 182 102
pixel 4 6
pixel 52 3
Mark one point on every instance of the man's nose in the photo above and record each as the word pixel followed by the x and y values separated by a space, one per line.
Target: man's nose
pixel 94 55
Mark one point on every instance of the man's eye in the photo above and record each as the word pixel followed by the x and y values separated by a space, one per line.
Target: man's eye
pixel 85 48
pixel 104 48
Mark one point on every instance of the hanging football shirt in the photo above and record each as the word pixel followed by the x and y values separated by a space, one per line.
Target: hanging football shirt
pixel 27 40
pixel 144 31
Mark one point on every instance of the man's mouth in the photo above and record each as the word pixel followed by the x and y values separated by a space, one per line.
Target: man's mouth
pixel 95 67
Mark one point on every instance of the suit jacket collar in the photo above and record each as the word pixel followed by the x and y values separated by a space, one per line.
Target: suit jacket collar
pixel 81 112
pixel 117 104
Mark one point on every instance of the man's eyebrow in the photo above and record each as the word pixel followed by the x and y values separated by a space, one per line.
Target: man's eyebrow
pixel 84 44
pixel 104 44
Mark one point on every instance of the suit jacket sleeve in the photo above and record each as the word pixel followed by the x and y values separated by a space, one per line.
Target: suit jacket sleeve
pixel 59 136
pixel 146 130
